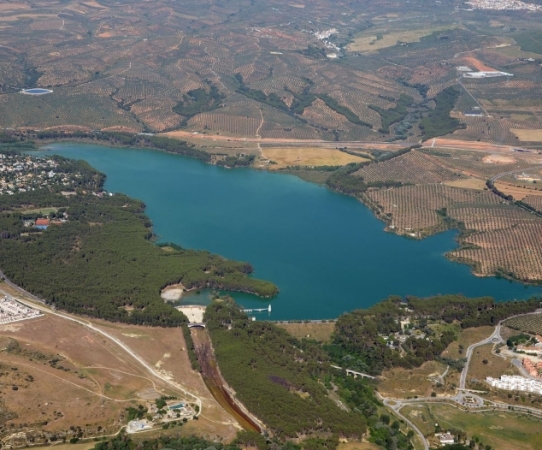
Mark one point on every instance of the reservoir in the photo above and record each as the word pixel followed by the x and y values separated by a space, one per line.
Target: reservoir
pixel 326 252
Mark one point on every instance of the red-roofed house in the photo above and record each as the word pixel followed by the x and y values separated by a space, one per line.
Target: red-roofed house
pixel 42 224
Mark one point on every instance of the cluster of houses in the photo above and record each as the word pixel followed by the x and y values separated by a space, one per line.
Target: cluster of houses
pixel 22 173
pixel 532 368
pixel 506 5
pixel 515 383
pixel 13 311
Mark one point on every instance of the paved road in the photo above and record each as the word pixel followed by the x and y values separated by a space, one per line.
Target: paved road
pixel 396 408
pixel 495 338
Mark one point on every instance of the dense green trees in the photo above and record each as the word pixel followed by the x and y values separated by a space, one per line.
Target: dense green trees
pixel 102 262
pixel 395 114
pixel 358 344
pixel 198 101
pixel 438 122
pixel 276 376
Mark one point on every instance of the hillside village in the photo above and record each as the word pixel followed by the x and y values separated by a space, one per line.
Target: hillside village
pixel 22 173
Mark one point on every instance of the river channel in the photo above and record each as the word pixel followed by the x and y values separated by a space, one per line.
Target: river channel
pixel 327 252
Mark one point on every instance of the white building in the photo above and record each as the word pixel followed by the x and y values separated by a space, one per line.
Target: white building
pixel 516 383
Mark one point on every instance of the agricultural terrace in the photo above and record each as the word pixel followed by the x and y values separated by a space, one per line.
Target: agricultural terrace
pixel 529 323
pixel 514 252
pixel 421 210
pixel 534 200
pixel 413 167
pixel 420 193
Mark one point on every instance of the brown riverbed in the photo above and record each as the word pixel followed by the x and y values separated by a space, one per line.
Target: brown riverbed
pixel 214 381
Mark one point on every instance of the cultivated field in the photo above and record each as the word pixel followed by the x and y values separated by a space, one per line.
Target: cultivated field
pixel 515 251
pixel 307 156
pixel 447 188
pixel 414 167
pixel 375 40
pixel 528 135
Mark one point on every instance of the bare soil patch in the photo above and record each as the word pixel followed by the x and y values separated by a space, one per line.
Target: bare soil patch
pixel 12 7
pixel 173 292
pixel 479 65
pixel 467 145
pixel 498 159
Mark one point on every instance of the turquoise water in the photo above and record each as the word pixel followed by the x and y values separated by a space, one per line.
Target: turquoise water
pixel 326 251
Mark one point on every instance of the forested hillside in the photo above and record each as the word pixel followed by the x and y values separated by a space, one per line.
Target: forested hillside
pixel 275 375
pixel 359 342
pixel 290 385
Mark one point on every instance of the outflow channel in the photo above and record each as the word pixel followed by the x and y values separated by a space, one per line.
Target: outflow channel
pixel 215 383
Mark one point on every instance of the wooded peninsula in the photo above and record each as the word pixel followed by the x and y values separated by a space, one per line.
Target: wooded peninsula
pixel 98 256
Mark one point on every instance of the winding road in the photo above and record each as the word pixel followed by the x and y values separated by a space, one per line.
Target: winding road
pixel 495 338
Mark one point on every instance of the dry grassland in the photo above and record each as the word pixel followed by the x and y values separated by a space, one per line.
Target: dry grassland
pixel 318 331
pixel 371 42
pixel 404 383
pixel 165 349
pixel 95 380
pixel 83 446
pixel 308 156
pixel 501 430
pixel 495 366
pixel 467 183
pixel 358 446
pixel 465 339
pixel 528 135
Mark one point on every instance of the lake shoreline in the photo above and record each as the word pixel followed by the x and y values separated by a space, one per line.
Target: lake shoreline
pixel 389 232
